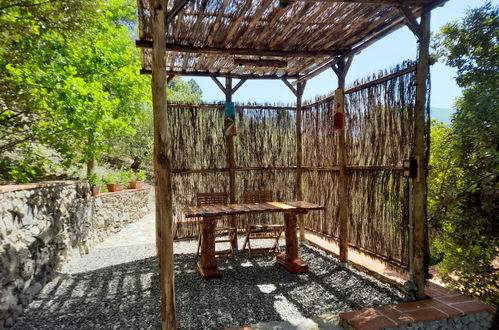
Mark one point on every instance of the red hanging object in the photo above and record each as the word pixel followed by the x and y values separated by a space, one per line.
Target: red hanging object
pixel 338 121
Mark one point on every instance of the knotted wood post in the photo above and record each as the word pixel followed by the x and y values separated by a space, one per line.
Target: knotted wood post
pixel 231 163
pixel 341 69
pixel 419 152
pixel 299 154
pixel 162 168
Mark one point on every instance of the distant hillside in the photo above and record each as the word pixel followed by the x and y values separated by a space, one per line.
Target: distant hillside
pixel 442 114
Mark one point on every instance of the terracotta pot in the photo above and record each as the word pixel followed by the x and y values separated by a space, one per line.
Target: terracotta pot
pixel 113 187
pixel 95 190
pixel 137 184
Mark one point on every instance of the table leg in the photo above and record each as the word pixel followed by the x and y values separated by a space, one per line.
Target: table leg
pixel 290 260
pixel 207 265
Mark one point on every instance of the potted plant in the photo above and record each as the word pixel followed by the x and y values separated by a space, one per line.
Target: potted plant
pixel 125 177
pixel 95 183
pixel 138 180
pixel 112 183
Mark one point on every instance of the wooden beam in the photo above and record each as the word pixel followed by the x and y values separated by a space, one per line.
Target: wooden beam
pixel 299 154
pixel 369 41
pixel 343 193
pixel 162 169
pixel 260 63
pixel 239 84
pixel 231 162
pixel 222 106
pixel 226 75
pixel 239 51
pixel 411 22
pixel 291 87
pixel 419 152
pixel 377 35
pixel 219 84
pixel 372 2
pixel 177 7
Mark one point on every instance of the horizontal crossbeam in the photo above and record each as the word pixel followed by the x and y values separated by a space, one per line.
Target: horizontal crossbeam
pixel 240 51
pixel 225 75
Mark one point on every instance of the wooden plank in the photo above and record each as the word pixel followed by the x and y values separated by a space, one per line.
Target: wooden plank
pixel 282 206
pixel 419 185
pixel 301 205
pixel 164 218
pixel 174 47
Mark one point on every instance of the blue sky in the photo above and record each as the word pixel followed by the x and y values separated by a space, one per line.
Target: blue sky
pixel 391 50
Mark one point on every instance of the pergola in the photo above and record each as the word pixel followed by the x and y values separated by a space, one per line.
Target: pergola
pixel 283 40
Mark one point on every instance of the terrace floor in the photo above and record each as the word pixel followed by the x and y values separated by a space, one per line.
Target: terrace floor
pixel 116 286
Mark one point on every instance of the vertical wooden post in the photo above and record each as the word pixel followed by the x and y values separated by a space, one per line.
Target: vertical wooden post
pixel 162 168
pixel 231 162
pixel 343 196
pixel 299 154
pixel 419 152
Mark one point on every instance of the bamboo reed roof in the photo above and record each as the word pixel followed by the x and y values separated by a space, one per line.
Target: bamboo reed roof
pixel 270 38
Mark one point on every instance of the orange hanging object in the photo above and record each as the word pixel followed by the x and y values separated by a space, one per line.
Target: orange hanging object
pixel 339 121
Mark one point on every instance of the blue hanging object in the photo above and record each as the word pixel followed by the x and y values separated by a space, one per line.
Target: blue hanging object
pixel 230 110
pixel 230 119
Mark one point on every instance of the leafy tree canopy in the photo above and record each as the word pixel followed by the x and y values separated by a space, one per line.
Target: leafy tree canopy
pixel 68 79
pixel 464 180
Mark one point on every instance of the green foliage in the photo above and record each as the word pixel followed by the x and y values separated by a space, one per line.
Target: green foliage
pixel 469 241
pixel 125 177
pixel 94 180
pixel 68 77
pixel 139 146
pixel 463 185
pixel 140 176
pixel 110 178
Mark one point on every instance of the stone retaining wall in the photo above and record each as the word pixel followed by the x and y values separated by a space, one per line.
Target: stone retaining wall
pixel 42 227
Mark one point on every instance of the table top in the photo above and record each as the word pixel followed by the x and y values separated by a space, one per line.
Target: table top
pixel 230 209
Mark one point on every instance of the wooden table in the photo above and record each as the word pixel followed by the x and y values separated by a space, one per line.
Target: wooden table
pixel 207 265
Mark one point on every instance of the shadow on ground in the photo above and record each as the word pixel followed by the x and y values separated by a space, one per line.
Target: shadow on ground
pixel 126 296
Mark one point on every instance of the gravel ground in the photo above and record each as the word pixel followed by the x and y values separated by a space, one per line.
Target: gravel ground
pixel 117 288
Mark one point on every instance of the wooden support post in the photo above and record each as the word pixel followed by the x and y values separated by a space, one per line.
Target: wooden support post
pixel 290 259
pixel 419 152
pixel 162 168
pixel 299 154
pixel 341 70
pixel 231 163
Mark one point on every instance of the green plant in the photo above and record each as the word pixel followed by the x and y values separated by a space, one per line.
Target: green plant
pixel 125 177
pixel 94 180
pixel 140 176
pixel 110 178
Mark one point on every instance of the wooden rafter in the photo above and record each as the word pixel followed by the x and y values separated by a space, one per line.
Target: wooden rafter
pixel 411 22
pixel 372 2
pixel 238 51
pixel 261 63
pixel 177 7
pixel 225 75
